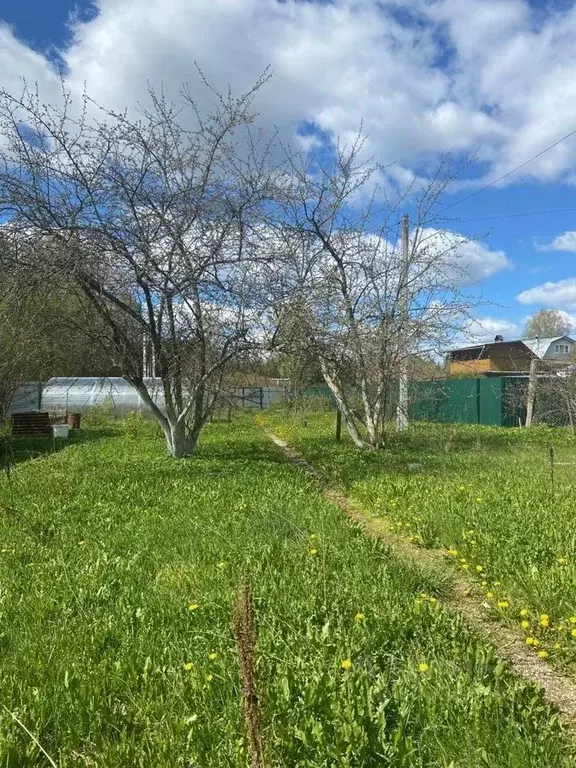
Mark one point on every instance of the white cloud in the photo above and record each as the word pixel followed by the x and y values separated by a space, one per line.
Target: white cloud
pixel 486 328
pixel 552 294
pixel 472 260
pixel 564 242
pixel 496 76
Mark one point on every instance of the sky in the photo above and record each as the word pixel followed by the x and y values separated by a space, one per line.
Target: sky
pixel 491 80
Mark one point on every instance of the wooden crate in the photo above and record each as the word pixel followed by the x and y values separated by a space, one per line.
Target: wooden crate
pixel 31 424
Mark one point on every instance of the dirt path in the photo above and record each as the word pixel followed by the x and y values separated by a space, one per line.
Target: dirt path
pixel 559 690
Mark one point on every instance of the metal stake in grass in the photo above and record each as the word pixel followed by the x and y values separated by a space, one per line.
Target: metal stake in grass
pixel 243 622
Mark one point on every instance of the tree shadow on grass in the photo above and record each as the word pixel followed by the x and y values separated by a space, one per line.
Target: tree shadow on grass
pixel 14 450
pixel 436 454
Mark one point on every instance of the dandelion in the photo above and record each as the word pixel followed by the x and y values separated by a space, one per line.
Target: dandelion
pixel 532 641
pixel 573 633
pixel 544 620
pixel 189 666
pixel 524 612
pixel 453 552
pixel 433 600
pixel 490 595
pixel 313 535
pixel 463 560
pixel 497 583
pixel 543 654
pixel 209 678
pixel 479 568
pixel 221 564
pixel 423 667
pixel 503 604
pixel 212 655
pixel 359 616
pixel 479 499
pixel 484 583
pixel 561 561
pixel 465 566
pixel 572 619
pixel 313 552
pixel 525 624
pixel 346 664
pixel 193 607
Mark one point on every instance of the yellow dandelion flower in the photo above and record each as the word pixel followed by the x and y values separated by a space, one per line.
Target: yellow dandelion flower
pixel 573 633
pixel 525 624
pixel 193 607
pixel 524 612
pixel 532 641
pixel 484 583
pixel 209 678
pixel 432 600
pixel 572 619
pixel 313 552
pixel 543 654
pixel 423 667
pixel 478 499
pixel 465 566
pixel 497 583
pixel 188 666
pixel 503 604
pixel 479 568
pixel 359 616
pixel 489 595
pixel 562 561
pixel 313 535
pixel 544 620
pixel 212 655
pixel 463 560
pixel 346 664
pixel 453 552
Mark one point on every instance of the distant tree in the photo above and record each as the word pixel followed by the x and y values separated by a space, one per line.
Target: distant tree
pixel 548 323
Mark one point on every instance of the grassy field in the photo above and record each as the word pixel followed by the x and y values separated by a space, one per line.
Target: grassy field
pixel 118 570
pixel 488 496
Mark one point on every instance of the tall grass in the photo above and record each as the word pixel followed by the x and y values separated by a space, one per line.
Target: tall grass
pixel 489 496
pixel 116 623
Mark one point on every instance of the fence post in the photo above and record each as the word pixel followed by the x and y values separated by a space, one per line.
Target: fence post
pixel 261 398
pixel 531 393
pixel 478 403
pixel 338 425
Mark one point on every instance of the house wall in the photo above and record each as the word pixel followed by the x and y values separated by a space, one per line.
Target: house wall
pixel 509 362
pixel 552 354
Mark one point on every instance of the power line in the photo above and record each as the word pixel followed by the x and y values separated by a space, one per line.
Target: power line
pixel 514 170
pixel 507 215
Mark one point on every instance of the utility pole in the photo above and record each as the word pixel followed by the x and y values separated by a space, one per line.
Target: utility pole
pixel 403 336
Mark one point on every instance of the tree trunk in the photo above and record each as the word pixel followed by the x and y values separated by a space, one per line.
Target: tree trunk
pixel 181 443
pixel 345 409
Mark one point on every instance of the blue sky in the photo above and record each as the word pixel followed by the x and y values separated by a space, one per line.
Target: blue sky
pixel 494 78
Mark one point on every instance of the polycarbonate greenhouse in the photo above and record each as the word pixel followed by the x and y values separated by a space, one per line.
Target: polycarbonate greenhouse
pixel 79 393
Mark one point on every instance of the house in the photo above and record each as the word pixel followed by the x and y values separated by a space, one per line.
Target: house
pixel 507 357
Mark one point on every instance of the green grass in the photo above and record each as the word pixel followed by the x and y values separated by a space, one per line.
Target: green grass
pixel 486 494
pixel 104 547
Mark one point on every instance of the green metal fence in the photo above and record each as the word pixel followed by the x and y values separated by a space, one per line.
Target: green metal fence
pixel 493 401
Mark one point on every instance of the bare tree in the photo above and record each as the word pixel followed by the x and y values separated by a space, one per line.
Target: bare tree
pixel 366 307
pixel 154 218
